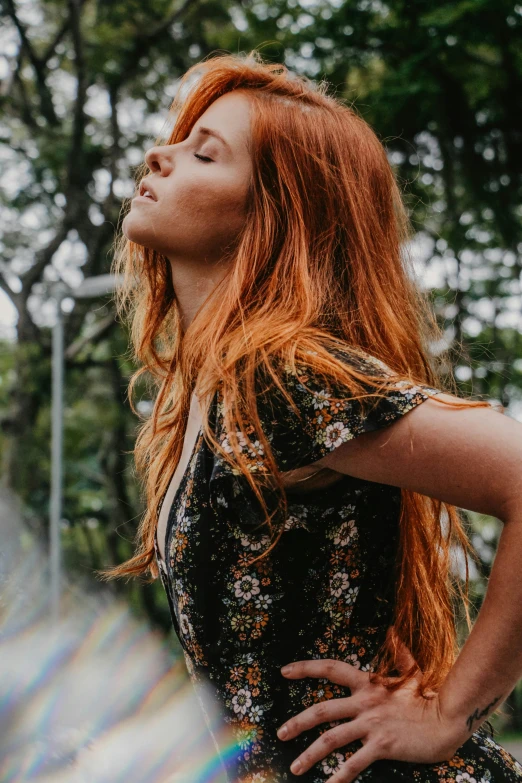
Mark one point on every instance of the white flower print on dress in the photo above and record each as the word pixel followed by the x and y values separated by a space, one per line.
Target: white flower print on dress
pixel 254 544
pixel 335 434
pixel 263 602
pixel 321 399
pixel 255 714
pixel 345 533
pixel 297 519
pixel 465 777
pixel 222 501
pixel 242 701
pixel 240 438
pixel 246 587
pixel 338 583
pixel 291 522
pixel 350 595
pixel 332 763
pixel 256 449
pixel 186 521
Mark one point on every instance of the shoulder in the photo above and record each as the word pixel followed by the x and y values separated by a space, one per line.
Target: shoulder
pixel 459 451
pixel 320 404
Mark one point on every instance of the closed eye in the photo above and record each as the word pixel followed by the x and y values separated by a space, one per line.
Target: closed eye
pixel 203 158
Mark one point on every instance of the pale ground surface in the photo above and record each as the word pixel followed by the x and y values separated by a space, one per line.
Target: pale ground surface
pixel 514 747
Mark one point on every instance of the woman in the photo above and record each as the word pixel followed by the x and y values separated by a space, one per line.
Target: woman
pixel 305 519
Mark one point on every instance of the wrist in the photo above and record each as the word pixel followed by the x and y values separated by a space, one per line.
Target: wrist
pixel 462 718
pixel 453 730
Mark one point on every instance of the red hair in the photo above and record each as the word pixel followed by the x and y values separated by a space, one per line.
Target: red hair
pixel 320 261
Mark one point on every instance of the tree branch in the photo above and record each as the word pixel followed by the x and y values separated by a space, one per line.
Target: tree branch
pixel 166 23
pixel 93 336
pixel 146 39
pixel 44 257
pixel 54 43
pixel 26 109
pixel 76 172
pixel 46 103
pixel 4 285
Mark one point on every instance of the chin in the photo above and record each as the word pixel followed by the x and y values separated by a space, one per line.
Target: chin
pixel 132 231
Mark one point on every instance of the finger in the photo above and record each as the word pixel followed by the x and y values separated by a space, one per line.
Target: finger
pixel 339 672
pixel 325 711
pixel 361 759
pixel 326 743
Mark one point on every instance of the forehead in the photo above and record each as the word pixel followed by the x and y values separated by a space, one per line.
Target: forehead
pixel 230 115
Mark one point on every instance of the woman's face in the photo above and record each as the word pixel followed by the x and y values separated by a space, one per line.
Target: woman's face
pixel 199 204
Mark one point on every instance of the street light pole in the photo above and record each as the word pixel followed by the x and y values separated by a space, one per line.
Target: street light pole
pixel 90 287
pixel 56 454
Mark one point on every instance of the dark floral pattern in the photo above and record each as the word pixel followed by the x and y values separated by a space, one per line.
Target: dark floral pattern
pixel 325 591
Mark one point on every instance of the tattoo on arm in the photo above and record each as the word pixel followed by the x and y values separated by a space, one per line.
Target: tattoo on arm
pixel 477 715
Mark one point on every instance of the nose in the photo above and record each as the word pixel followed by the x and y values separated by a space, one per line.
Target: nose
pixel 157 159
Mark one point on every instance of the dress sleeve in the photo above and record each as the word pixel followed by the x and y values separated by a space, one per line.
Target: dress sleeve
pixel 328 416
pixel 321 424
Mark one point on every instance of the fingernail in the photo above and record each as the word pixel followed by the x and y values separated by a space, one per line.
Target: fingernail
pixel 286 669
pixel 283 731
pixel 296 767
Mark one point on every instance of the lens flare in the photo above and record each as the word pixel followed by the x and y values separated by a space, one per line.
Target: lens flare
pixel 98 696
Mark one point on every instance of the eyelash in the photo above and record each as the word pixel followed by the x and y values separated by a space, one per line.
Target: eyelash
pixel 203 158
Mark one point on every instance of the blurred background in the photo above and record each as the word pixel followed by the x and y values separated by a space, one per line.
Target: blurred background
pixel 85 88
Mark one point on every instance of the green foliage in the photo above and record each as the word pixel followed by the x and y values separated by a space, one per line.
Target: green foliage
pixel 441 85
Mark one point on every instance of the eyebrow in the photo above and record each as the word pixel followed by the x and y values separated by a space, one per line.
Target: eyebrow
pixel 211 132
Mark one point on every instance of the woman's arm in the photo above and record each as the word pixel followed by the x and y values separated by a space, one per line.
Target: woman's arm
pixel 490 662
pixel 471 458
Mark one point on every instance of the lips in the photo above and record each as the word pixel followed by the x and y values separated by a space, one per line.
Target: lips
pixel 144 187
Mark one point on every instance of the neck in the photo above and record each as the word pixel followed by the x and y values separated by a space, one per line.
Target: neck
pixel 192 285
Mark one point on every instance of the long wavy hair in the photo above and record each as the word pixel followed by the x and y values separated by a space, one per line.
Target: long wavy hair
pixel 320 262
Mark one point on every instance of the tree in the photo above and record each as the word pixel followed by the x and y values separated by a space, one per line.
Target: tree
pixel 87 89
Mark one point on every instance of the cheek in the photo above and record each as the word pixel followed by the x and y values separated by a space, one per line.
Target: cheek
pixel 198 215
pixel 212 202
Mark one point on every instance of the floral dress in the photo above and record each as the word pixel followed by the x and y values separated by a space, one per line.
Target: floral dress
pixel 326 590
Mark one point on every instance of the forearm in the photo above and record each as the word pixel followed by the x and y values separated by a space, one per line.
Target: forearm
pixel 490 662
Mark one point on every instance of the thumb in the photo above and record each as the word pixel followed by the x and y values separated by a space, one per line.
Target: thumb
pixel 403 658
